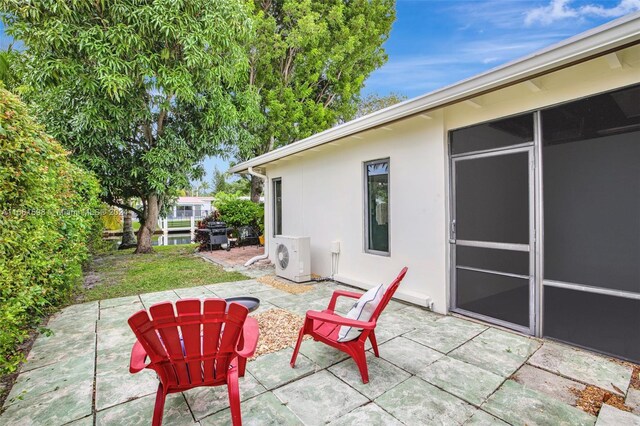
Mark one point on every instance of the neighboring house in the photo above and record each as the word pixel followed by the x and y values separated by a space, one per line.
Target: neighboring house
pixel 512 196
pixel 197 207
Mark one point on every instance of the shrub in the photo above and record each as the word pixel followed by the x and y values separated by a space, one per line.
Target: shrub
pixel 236 212
pixel 49 214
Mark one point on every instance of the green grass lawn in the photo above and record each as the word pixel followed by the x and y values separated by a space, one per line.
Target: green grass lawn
pixel 123 273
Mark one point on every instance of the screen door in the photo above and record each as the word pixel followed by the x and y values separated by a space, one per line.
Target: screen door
pixel 492 236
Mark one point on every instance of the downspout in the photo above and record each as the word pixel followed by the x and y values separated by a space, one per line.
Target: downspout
pixel 265 187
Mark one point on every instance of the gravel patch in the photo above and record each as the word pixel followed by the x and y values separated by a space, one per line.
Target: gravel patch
pixel 284 285
pixel 278 330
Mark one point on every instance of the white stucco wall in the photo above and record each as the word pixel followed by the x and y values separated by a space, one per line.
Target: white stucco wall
pixel 323 188
pixel 323 198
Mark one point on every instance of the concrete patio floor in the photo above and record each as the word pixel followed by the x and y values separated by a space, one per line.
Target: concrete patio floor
pixel 432 370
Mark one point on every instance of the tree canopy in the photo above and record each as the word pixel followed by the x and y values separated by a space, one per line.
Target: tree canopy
pixel 374 102
pixel 308 62
pixel 139 91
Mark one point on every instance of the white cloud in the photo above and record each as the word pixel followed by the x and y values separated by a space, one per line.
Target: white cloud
pixel 558 10
pixel 623 8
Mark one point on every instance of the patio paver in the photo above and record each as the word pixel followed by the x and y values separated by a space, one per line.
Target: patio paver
pixel 633 400
pixel 482 418
pixel 320 398
pixel 583 366
pixel 85 421
pixel 73 372
pixel 498 351
pixel 263 410
pixel 194 292
pixel 110 339
pixel 139 412
pixel 611 416
pixel 549 383
pixel 273 370
pixel 205 401
pixel 52 408
pixel 382 375
pixel 114 383
pixel 415 401
pixel 466 381
pixel 432 370
pixel 322 355
pixel 446 334
pixel 52 350
pixel 149 299
pixel 408 355
pixel 517 404
pixel 370 414
pixel 119 301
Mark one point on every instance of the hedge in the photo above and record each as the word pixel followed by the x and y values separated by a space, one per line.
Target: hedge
pixel 49 214
pixel 236 211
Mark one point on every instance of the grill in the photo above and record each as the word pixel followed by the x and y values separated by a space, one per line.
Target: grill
pixel 217 235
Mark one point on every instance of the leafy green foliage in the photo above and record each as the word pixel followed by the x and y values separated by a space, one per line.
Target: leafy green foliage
pixel 49 214
pixel 141 92
pixel 223 183
pixel 236 211
pixel 309 61
pixel 374 102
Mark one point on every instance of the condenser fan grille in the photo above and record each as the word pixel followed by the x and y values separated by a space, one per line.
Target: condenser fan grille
pixel 283 256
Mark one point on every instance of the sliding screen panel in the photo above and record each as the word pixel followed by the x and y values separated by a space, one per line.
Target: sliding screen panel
pixel 591 160
pixel 605 323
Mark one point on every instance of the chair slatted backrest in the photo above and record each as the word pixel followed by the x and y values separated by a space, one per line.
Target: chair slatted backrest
pixel 193 344
pixel 388 294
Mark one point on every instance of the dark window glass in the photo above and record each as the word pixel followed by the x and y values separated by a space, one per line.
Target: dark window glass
pixel 591 160
pixel 604 323
pixel 277 207
pixel 496 134
pixel 594 117
pixel 492 198
pixel 377 174
pixel 496 296
pixel 513 262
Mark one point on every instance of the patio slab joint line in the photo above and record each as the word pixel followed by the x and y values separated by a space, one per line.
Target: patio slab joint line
pixel 95 366
pixel 503 382
pixel 575 379
pixel 461 344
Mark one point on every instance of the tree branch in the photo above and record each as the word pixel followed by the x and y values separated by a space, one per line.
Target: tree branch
pixel 115 203
pixel 163 115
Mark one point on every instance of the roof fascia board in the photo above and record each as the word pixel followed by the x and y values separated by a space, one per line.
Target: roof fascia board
pixel 597 41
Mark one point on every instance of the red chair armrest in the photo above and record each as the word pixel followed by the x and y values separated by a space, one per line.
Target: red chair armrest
pixel 138 357
pixel 337 319
pixel 338 293
pixel 249 338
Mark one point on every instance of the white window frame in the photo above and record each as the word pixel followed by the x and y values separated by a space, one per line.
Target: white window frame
pixel 366 206
pixel 274 210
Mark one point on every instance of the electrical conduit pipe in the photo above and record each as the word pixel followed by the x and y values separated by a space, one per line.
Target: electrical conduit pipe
pixel 265 187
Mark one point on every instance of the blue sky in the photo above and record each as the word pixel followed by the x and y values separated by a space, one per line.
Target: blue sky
pixel 435 43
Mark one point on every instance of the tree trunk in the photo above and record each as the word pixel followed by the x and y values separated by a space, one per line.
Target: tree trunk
pixel 128 237
pixel 256 189
pixel 148 224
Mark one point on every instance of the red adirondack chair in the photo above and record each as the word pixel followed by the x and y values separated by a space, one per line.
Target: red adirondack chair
pixel 198 346
pixel 324 326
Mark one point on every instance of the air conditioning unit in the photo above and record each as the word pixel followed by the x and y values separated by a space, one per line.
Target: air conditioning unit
pixel 293 258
